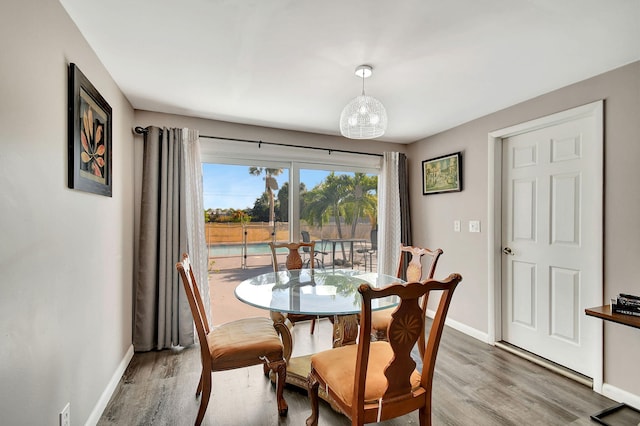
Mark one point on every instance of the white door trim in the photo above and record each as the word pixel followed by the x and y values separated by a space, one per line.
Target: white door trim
pixel 494 226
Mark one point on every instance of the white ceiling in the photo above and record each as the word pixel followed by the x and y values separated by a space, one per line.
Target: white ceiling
pixel 290 63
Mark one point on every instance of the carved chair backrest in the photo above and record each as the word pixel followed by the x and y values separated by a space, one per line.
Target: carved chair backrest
pixel 407 323
pixel 294 261
pixel 198 311
pixel 414 268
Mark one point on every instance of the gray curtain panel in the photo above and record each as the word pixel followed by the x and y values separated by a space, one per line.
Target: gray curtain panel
pixel 162 317
pixel 405 211
pixel 389 216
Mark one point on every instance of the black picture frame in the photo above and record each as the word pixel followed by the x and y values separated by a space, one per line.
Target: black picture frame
pixel 89 128
pixel 442 174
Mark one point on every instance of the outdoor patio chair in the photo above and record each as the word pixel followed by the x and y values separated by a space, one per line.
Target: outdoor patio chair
pixel 306 238
pixel 370 250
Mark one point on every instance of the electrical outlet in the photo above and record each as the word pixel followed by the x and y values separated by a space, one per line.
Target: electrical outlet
pixel 474 226
pixel 456 226
pixel 65 415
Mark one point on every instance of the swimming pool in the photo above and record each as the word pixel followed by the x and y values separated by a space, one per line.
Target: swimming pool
pixel 223 250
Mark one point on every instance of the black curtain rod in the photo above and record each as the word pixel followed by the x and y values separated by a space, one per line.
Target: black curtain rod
pixel 330 150
pixel 141 130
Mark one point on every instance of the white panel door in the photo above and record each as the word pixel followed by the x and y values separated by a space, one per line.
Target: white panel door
pixel 552 225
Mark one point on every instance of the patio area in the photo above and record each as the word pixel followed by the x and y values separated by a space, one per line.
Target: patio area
pixel 225 273
pixel 224 276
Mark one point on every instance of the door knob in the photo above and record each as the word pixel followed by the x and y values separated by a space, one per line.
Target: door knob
pixel 508 251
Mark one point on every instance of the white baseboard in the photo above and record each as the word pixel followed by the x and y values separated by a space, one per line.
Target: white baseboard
pixel 620 395
pixel 608 390
pixel 96 413
pixel 463 328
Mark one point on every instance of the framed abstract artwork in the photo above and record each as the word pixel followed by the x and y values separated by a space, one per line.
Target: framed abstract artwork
pixel 442 174
pixel 89 136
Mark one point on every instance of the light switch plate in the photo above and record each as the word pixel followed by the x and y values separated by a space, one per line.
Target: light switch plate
pixel 456 226
pixel 474 226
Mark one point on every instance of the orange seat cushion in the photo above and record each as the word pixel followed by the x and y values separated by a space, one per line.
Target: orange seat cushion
pixel 243 342
pixel 337 367
pixel 380 319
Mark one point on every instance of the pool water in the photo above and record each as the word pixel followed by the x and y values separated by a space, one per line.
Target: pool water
pixel 220 250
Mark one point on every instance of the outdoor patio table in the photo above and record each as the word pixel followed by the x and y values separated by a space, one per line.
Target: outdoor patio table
pixel 342 241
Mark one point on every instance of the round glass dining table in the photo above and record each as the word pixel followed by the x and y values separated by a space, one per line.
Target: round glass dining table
pixel 314 291
pixel 323 292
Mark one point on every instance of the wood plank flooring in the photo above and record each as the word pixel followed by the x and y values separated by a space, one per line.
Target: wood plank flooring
pixel 474 384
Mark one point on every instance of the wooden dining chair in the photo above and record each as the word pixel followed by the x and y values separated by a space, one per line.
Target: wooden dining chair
pixel 294 262
pixel 374 381
pixel 380 319
pixel 236 344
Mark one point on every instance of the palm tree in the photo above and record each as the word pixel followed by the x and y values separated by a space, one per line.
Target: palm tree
pixel 270 185
pixel 361 200
pixel 342 196
pixel 325 201
pixel 282 204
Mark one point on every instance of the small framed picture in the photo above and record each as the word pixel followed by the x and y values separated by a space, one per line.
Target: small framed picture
pixel 89 136
pixel 442 174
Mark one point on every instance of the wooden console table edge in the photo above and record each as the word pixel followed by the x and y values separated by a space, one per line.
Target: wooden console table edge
pixel 604 312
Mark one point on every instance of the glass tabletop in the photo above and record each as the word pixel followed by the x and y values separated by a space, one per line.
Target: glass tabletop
pixel 314 291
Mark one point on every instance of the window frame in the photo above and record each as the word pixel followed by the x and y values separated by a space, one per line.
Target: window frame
pixel 217 151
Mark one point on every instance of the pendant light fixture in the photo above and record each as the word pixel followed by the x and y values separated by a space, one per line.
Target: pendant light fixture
pixel 364 117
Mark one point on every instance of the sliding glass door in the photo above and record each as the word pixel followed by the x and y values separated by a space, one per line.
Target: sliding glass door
pixel 338 209
pixel 246 207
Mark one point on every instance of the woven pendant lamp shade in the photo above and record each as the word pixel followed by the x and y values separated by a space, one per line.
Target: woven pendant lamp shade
pixel 364 117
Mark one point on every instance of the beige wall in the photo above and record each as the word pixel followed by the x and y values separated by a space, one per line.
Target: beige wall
pixel 467 253
pixel 66 256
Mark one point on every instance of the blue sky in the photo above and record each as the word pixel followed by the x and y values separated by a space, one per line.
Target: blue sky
pixel 229 186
